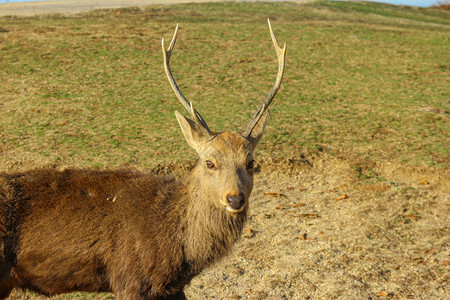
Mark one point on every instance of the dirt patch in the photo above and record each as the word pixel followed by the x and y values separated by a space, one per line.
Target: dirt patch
pixel 79 6
pixel 325 232
pixel 72 7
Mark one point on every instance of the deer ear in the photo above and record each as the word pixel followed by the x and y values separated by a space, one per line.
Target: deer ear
pixel 192 132
pixel 257 132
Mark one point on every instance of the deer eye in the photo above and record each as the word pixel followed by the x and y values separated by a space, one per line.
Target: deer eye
pixel 251 165
pixel 210 165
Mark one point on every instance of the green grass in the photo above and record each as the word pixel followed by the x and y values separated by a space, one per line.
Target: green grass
pixel 90 89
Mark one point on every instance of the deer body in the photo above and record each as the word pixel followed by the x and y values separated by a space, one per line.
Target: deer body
pixel 100 231
pixel 138 235
pixel 107 231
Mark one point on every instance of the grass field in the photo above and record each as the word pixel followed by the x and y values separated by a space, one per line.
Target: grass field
pixel 365 83
pixel 91 88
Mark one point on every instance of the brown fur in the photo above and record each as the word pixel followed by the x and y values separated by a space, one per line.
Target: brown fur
pixel 137 235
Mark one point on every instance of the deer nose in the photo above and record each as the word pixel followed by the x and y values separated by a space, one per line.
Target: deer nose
pixel 236 201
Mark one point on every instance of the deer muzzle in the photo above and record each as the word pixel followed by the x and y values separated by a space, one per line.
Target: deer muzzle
pixel 235 202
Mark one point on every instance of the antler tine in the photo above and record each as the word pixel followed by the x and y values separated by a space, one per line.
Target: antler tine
pixel 188 105
pixel 281 54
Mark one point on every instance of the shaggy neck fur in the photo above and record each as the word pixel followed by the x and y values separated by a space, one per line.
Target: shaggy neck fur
pixel 211 231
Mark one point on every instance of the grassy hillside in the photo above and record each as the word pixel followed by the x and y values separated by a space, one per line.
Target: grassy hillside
pixel 362 80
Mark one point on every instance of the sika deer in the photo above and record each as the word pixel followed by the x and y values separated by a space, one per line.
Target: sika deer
pixel 137 235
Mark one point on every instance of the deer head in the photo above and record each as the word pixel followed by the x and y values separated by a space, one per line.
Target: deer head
pixel 226 165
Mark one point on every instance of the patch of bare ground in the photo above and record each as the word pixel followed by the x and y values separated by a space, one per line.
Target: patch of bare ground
pixel 322 227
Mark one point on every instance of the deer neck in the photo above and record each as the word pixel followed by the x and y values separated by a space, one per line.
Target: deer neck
pixel 211 231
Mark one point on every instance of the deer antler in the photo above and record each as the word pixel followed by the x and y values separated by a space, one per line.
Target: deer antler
pixel 281 54
pixel 188 105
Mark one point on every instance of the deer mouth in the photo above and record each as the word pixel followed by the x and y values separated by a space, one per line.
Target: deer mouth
pixel 232 210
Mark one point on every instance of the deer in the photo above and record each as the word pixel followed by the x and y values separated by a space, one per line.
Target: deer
pixel 137 235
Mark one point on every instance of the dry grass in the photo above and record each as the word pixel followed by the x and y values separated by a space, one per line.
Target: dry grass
pixel 442 5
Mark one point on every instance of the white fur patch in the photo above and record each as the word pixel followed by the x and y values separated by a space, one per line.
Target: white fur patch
pixel 235 210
